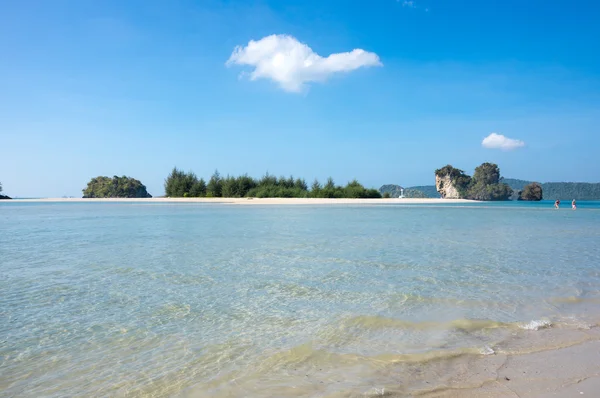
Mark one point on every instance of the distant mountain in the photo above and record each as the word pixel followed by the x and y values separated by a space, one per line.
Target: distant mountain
pixel 393 190
pixel 412 192
pixel 516 184
pixel 551 190
pixel 428 190
pixel 561 190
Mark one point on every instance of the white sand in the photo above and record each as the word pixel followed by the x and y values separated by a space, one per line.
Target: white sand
pixel 256 201
pixel 567 372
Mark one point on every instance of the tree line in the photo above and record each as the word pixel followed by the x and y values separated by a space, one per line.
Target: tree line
pixel 186 184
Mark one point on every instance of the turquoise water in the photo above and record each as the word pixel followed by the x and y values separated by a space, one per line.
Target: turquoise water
pixel 105 299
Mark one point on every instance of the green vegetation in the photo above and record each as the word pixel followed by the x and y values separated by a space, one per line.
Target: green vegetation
pixel 428 190
pixel 2 196
pixel 571 190
pixel 515 184
pixel 531 192
pixel 550 190
pixel 485 184
pixel 459 179
pixel 181 184
pixel 394 191
pixel 415 194
pixel 116 187
pixel 561 190
pixel 390 189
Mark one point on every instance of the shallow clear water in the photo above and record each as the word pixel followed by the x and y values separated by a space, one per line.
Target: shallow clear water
pixel 109 299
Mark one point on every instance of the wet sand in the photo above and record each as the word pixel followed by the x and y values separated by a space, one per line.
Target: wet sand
pixel 562 373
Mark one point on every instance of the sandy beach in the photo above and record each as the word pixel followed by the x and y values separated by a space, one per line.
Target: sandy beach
pixel 561 373
pixel 257 201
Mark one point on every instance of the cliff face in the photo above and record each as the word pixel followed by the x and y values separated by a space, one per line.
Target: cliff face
pixel 446 188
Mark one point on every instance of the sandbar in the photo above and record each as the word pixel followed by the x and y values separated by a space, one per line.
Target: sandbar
pixel 258 201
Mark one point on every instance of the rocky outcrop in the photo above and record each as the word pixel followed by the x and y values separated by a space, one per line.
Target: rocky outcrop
pixel 3 197
pixel 446 188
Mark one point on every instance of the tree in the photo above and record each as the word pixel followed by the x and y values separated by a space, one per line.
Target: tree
pixel 179 184
pixel 486 185
pixel 198 189
pixel 300 183
pixel 531 192
pixel 116 187
pixel 214 188
pixel 487 173
pixel 315 189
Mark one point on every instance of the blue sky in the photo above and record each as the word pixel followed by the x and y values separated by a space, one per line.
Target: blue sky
pixel 134 88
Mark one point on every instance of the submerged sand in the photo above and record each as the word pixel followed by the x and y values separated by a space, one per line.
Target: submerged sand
pixel 542 367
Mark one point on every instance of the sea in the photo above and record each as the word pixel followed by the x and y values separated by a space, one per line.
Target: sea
pixel 215 300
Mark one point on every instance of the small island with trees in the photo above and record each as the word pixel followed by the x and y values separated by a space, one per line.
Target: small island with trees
pixel 116 187
pixel 531 192
pixel 2 197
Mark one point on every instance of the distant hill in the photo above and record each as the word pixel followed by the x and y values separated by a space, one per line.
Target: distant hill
pixel 393 190
pixel 516 184
pixel 411 192
pixel 561 190
pixel 551 190
pixel 428 190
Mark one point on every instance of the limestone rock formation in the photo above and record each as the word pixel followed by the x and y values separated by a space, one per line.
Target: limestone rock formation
pixel 446 188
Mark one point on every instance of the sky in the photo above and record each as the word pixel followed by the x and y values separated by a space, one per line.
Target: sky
pixel 382 91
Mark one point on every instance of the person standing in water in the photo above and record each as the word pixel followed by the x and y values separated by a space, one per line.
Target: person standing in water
pixel 574 205
pixel 557 203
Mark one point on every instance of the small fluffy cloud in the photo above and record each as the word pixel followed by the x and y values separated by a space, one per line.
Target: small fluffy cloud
pixel 292 64
pixel 498 141
pixel 408 3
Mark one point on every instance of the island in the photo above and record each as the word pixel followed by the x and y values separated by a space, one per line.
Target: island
pixel 116 187
pixel 485 185
pixel 531 192
pixel 2 197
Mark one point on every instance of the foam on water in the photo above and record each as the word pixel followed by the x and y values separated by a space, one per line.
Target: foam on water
pixel 167 300
pixel 536 325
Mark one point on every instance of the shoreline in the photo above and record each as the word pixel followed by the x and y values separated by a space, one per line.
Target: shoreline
pixel 561 372
pixel 252 201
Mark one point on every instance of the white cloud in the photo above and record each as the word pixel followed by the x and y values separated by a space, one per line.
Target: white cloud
pixel 408 3
pixel 498 141
pixel 292 64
